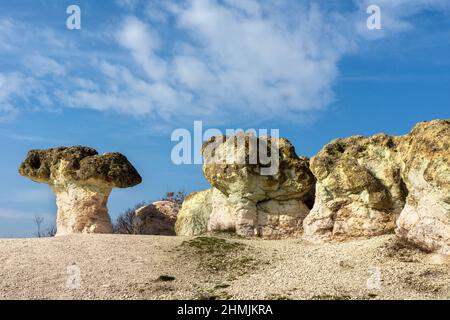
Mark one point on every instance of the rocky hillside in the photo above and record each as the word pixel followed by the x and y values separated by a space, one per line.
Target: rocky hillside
pixel 164 267
pixel 366 218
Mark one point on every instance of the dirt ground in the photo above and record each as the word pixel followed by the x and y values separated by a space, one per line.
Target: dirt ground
pixel 220 267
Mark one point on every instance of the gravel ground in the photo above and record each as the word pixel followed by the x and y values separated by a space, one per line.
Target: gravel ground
pixel 158 267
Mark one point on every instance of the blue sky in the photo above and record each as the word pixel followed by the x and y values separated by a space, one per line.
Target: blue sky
pixel 137 70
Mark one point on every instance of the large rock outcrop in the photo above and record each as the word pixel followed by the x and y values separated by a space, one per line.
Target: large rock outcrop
pixel 260 186
pixel 157 218
pixel 359 190
pixel 368 186
pixel 82 181
pixel 425 220
pixel 360 187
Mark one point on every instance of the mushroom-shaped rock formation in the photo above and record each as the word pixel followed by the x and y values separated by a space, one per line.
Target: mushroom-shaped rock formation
pixel 82 181
pixel 359 190
pixel 157 218
pixel 194 215
pixel 425 220
pixel 261 186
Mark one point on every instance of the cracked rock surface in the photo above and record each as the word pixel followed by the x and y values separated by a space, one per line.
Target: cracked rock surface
pixel 368 186
pixel 248 201
pixel 359 191
pixel 425 219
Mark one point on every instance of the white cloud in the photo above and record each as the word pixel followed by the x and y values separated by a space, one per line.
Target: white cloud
pixel 224 60
pixel 248 59
pixel 40 66
pixel 268 63
pixel 8 214
pixel 156 11
pixel 142 43
pixel 128 4
pixel 14 88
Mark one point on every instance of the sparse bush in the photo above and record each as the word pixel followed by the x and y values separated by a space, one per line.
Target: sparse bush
pixel 38 220
pixel 124 224
pixel 217 255
pixel 176 197
pixel 51 232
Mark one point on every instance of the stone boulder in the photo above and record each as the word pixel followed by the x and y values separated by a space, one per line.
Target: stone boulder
pixel 260 186
pixel 359 190
pixel 425 219
pixel 82 181
pixel 194 214
pixel 157 218
pixel 367 186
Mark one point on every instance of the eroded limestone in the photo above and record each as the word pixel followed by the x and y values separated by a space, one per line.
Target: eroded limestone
pixel 82 181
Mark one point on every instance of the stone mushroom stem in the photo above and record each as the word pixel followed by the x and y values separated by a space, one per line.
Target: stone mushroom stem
pixel 89 202
pixel 423 222
pixel 246 221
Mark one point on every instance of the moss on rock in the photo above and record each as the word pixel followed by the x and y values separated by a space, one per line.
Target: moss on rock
pixel 79 164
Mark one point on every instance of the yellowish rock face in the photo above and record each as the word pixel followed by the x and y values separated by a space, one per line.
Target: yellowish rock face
pixel 249 202
pixel 237 168
pixel 194 215
pixel 368 186
pixel 359 189
pixel 425 220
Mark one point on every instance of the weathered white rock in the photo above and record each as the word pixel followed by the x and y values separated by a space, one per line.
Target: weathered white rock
pixel 82 209
pixel 277 219
pixel 82 181
pixel 223 215
pixel 274 219
pixel 366 186
pixel 425 220
pixel 157 218
pixel 246 198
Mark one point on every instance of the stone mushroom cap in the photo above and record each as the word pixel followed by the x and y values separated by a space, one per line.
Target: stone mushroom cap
pixel 351 165
pixel 80 165
pixel 293 179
